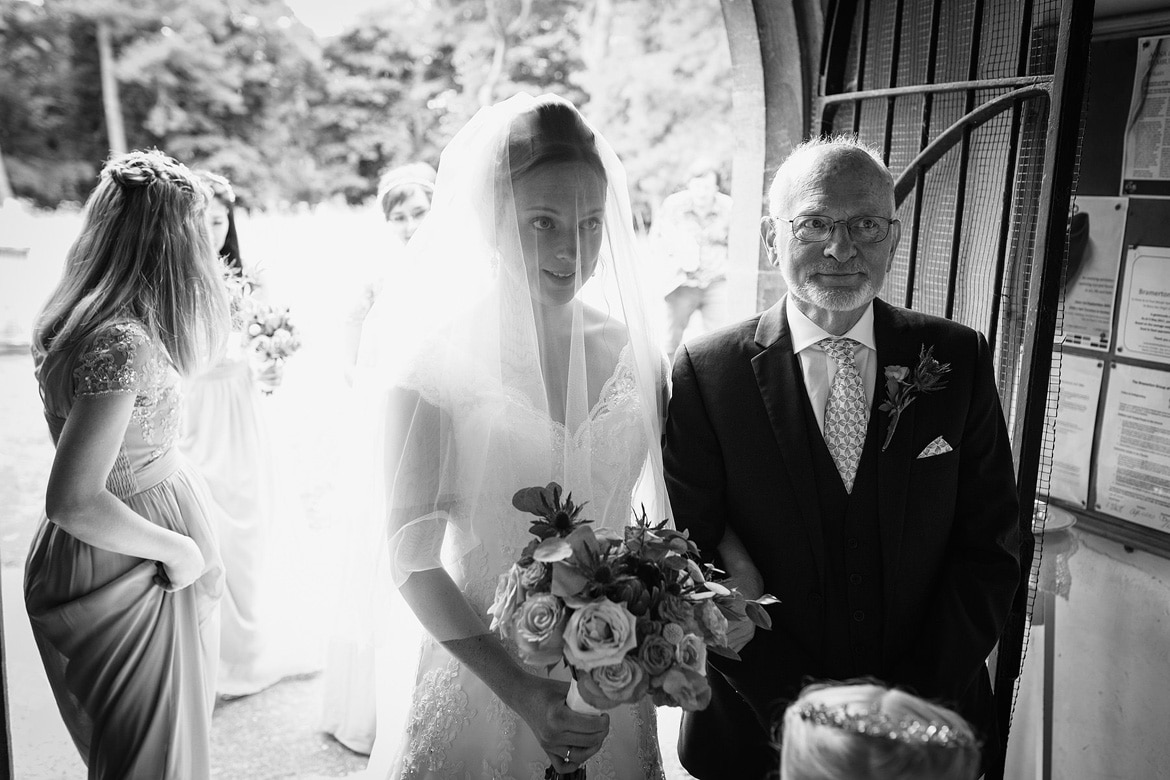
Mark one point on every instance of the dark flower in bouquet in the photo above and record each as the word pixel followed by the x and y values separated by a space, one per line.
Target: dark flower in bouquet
pixel 632 613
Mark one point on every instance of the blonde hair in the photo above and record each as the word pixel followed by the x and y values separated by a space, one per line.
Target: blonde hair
pixel 870 732
pixel 143 254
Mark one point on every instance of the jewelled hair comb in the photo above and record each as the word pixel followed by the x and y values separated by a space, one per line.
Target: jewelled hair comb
pixel 878 724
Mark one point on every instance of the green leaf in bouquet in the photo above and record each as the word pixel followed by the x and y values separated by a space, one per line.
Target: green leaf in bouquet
pixel 759 615
pixel 552 549
pixel 724 652
pixel 718 589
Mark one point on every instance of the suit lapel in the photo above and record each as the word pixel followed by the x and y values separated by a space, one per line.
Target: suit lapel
pixel 781 385
pixel 895 347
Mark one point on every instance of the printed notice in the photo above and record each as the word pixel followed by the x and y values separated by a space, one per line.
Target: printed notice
pixel 1076 417
pixel 1146 169
pixel 1133 462
pixel 1144 327
pixel 1095 245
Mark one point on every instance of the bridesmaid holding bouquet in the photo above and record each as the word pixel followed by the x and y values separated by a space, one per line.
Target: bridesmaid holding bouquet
pixel 226 436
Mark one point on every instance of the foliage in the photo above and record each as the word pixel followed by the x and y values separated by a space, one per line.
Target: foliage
pixel 243 88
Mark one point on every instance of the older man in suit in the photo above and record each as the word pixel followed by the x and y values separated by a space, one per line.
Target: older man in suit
pixel 891 540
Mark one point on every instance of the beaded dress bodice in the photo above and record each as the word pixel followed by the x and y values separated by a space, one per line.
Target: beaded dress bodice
pixel 118 358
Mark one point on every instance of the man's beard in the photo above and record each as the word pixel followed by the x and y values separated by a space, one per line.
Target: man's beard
pixel 834 299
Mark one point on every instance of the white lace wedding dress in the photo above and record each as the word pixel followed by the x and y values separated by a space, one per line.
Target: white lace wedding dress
pixel 456 727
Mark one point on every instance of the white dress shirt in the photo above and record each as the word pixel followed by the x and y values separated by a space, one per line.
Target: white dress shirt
pixel 816 365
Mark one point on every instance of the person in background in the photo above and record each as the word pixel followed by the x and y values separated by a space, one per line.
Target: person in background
pixel 123 579
pixel 690 232
pixel 865 731
pixel 226 436
pixel 404 193
pixel 404 196
pixel 350 714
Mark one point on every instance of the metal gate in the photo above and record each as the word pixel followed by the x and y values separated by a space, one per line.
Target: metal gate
pixel 976 105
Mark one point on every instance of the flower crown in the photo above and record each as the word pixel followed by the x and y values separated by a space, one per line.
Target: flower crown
pixel 873 723
pixel 143 168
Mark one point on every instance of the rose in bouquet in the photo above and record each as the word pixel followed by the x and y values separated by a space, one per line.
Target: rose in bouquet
pixel 272 336
pixel 632 613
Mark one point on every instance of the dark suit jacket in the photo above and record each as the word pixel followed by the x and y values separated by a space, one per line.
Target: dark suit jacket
pixel 738 455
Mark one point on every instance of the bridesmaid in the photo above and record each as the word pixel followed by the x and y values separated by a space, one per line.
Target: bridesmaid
pixel 404 196
pixel 226 436
pixel 349 709
pixel 124 577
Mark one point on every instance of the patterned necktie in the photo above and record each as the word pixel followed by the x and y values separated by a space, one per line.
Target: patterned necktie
pixel 846 413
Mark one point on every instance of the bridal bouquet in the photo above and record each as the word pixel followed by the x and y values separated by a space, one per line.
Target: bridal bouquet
pixel 631 613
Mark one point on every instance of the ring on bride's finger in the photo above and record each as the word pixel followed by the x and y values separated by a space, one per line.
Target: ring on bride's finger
pixel 568 752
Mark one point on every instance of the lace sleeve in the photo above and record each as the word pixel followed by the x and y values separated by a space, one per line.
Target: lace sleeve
pixel 420 474
pixel 113 361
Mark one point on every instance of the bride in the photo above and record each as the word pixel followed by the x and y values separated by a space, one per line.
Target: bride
pixel 519 353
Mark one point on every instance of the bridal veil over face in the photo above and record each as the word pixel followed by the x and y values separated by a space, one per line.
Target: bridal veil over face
pixel 521 296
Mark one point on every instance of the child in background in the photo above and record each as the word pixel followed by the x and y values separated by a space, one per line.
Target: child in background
pixel 870 732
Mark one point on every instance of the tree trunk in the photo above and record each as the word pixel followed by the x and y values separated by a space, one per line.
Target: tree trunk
pixel 115 132
pixel 5 186
pixel 488 91
pixel 504 28
pixel 595 53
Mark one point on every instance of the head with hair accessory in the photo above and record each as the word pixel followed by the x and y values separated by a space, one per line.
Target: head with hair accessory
pixel 404 193
pixel 221 219
pixel 144 253
pixel 556 181
pixel 865 731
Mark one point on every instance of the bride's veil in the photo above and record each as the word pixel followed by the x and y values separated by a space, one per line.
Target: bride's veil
pixel 472 326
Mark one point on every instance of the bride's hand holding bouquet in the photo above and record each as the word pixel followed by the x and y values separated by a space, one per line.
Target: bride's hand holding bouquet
pixel 631 613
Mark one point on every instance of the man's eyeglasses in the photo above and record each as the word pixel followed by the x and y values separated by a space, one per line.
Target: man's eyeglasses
pixel 816 227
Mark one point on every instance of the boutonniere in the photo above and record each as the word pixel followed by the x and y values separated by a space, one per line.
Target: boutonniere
pixel 903 385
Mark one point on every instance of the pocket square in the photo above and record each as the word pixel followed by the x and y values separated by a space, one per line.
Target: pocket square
pixel 937 447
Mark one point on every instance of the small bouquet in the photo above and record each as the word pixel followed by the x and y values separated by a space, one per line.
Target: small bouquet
pixel 240 285
pixel 631 613
pixel 272 335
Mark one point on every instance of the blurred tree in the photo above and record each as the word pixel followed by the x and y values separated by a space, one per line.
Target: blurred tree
pixel 225 85
pixel 670 101
pixel 383 100
pixel 242 87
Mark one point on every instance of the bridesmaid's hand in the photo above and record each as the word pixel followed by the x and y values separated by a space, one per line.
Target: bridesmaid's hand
pixel 182 568
pixel 271 375
pixel 558 729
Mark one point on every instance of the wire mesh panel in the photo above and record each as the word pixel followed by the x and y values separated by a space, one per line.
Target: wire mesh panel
pixel 969 100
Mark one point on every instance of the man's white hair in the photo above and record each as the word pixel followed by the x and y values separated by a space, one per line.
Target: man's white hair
pixel 846 144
